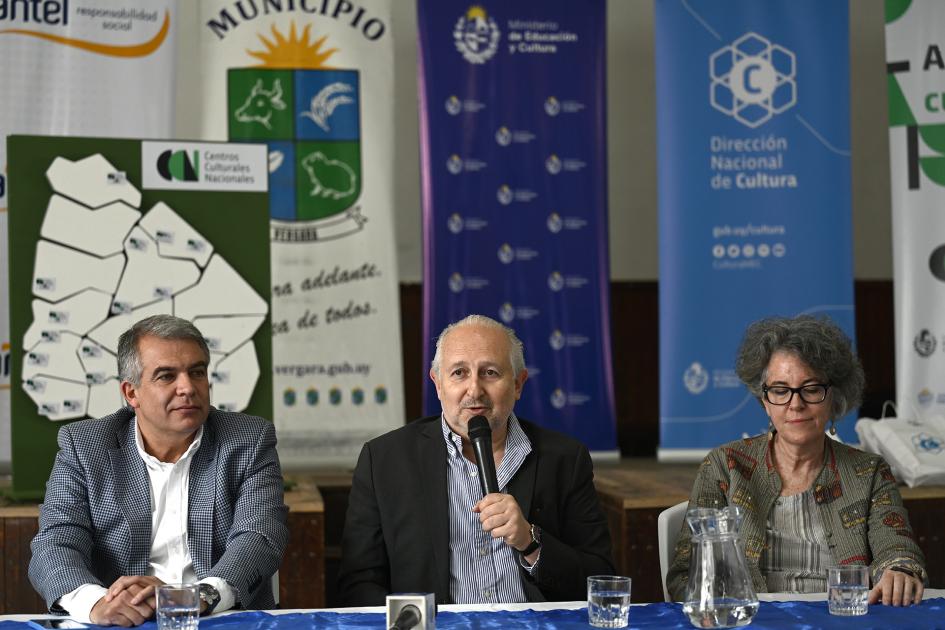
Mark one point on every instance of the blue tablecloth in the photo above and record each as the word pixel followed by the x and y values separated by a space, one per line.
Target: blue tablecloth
pixel 786 615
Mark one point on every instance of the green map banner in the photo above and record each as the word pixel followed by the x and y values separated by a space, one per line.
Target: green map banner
pixel 108 232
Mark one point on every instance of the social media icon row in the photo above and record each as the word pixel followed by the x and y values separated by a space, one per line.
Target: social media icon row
pixel 748 250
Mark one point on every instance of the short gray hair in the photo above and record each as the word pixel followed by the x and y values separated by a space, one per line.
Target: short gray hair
pixel 516 347
pixel 160 326
pixel 818 342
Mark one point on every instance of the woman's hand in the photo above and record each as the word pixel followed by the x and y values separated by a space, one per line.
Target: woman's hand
pixel 896 588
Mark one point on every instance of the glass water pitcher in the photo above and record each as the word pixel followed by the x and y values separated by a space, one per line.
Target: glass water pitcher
pixel 719 593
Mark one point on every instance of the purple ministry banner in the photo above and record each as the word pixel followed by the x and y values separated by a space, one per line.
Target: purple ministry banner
pixel 513 144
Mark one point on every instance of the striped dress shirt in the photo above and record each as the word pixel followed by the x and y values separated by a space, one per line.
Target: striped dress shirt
pixel 482 569
pixel 796 554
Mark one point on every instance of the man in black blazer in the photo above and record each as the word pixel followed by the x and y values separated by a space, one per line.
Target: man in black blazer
pixel 417 521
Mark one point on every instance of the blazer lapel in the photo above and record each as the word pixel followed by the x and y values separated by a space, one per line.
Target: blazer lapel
pixel 522 484
pixel 133 496
pixel 432 458
pixel 200 504
pixel 522 487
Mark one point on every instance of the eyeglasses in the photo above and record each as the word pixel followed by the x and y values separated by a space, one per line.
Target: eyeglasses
pixel 812 394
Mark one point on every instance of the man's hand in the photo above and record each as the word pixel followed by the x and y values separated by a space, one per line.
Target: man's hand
pixel 142 588
pixel 119 609
pixel 897 589
pixel 501 516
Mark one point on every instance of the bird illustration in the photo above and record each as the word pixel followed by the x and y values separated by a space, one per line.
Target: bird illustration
pixel 324 103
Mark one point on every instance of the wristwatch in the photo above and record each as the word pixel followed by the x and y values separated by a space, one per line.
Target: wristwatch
pixel 209 596
pixel 536 540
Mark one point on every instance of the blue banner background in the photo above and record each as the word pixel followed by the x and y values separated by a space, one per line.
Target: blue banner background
pixel 513 145
pixel 730 256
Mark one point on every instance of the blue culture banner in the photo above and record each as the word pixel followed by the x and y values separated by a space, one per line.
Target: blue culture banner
pixel 754 196
pixel 514 157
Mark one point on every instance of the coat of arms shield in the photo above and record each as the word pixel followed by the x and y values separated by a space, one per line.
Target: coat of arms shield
pixel 310 119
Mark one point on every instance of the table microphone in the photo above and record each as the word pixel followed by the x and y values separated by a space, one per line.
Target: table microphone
pixel 411 611
pixel 407 619
pixel 480 436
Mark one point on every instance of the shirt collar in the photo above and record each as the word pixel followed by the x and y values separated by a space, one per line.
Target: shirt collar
pixel 515 437
pixel 153 462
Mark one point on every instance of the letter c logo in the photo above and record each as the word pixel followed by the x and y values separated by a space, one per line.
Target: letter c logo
pixel 747 81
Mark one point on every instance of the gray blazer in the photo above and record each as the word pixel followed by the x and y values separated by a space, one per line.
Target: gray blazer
pixel 95 523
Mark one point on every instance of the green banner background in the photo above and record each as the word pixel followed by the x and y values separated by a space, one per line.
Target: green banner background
pixel 236 223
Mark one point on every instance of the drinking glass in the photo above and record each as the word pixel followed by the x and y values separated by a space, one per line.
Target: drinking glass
pixel 848 589
pixel 608 601
pixel 178 607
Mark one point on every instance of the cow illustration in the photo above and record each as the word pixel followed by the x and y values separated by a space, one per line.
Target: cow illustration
pixel 260 104
pixel 332 179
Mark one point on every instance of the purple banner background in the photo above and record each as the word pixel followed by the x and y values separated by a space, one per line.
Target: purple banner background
pixel 514 155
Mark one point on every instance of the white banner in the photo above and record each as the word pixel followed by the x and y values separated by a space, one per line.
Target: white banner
pixel 915 61
pixel 90 69
pixel 314 80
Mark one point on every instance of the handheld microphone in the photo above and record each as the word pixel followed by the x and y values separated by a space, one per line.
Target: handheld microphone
pixel 480 436
pixel 411 611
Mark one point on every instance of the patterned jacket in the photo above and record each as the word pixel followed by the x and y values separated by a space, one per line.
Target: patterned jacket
pixel 856 495
pixel 95 523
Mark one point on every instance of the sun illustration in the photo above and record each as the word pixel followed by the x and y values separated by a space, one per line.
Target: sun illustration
pixel 294 51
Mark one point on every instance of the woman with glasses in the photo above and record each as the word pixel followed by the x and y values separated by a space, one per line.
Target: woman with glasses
pixel 809 502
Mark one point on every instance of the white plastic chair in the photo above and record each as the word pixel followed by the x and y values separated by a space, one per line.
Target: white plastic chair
pixel 667 527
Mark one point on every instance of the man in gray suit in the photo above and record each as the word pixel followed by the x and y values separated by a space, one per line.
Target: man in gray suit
pixel 167 489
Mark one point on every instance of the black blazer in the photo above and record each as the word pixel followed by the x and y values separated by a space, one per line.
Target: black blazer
pixel 396 536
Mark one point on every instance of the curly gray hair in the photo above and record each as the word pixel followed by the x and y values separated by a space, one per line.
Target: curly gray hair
pixel 160 326
pixel 818 342
pixel 516 347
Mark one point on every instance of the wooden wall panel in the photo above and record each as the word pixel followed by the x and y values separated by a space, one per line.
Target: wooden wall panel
pixel 925 516
pixel 302 574
pixel 3 568
pixel 18 595
pixel 642 555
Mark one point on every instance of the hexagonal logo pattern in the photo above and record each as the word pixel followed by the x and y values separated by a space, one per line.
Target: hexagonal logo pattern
pixel 752 79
